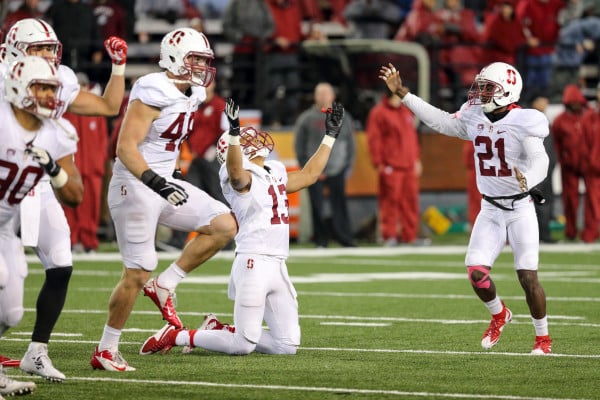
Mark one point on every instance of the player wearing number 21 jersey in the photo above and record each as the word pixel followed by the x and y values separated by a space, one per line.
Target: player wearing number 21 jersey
pixel 510 160
pixel 259 284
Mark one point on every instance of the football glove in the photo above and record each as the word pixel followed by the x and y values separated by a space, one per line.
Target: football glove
pixel 177 174
pixel 172 192
pixel 44 159
pixel 333 120
pixel 116 49
pixel 232 112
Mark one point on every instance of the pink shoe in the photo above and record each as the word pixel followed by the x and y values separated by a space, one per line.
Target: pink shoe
pixel 165 301
pixel 492 334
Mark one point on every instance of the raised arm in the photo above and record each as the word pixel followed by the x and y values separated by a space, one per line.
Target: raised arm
pixel 239 178
pixel 109 103
pixel 316 164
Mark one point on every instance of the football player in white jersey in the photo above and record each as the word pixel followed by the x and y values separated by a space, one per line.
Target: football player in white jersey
pixel 259 283
pixel 32 146
pixel 510 160
pixel 142 192
pixel 52 244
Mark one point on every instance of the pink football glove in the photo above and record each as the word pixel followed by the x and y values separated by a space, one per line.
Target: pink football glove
pixel 116 49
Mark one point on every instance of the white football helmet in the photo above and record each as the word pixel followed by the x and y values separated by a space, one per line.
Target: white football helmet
pixel 254 144
pixel 497 85
pixel 177 51
pixel 19 88
pixel 30 32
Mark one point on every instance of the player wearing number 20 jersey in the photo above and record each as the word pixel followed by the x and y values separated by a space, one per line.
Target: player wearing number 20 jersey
pixel 510 160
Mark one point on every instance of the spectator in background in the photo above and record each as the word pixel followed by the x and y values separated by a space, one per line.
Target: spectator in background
pixel 591 171
pixel 545 212
pixel 373 19
pixel 29 9
pixel 421 25
pixel 394 148
pixel 567 131
pixel 325 10
pixel 281 72
pixel 540 24
pixel 502 34
pixel 576 44
pixel 210 9
pixel 473 195
pixel 90 159
pixel 459 56
pixel 75 25
pixel 248 24
pixel 309 132
pixel 111 18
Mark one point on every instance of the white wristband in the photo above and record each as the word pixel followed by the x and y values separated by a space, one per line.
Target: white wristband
pixel 59 180
pixel 234 140
pixel 118 69
pixel 328 141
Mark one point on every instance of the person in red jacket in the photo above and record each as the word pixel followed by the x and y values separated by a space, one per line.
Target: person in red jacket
pixel 591 172
pixel 92 151
pixel 421 24
pixel 502 34
pixel 394 148
pixel 567 130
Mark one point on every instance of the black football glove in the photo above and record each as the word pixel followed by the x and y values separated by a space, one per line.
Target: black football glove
pixel 232 112
pixel 44 159
pixel 333 120
pixel 177 174
pixel 172 192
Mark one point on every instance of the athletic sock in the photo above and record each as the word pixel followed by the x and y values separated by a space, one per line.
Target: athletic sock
pixel 171 277
pixel 494 306
pixel 541 326
pixel 110 339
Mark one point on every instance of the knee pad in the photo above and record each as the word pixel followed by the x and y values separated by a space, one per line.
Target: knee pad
pixel 484 282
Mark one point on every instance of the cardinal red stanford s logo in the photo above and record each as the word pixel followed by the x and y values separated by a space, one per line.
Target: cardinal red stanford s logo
pixel 250 263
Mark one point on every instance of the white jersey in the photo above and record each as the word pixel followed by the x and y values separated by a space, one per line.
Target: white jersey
pixel 19 172
pixel 262 213
pixel 514 140
pixel 162 143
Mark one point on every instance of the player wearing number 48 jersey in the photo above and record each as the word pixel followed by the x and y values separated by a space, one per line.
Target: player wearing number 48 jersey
pixel 142 192
pixel 259 283
pixel 510 160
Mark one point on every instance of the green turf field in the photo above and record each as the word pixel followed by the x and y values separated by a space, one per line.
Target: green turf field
pixel 375 325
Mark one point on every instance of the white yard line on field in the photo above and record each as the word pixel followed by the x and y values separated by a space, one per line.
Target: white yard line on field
pixel 336 390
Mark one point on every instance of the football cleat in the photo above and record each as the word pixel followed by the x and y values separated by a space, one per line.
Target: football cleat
pixel 10 387
pixel 8 362
pixel 211 323
pixel 542 346
pixel 109 361
pixel 492 334
pixel 36 362
pixel 165 300
pixel 161 341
